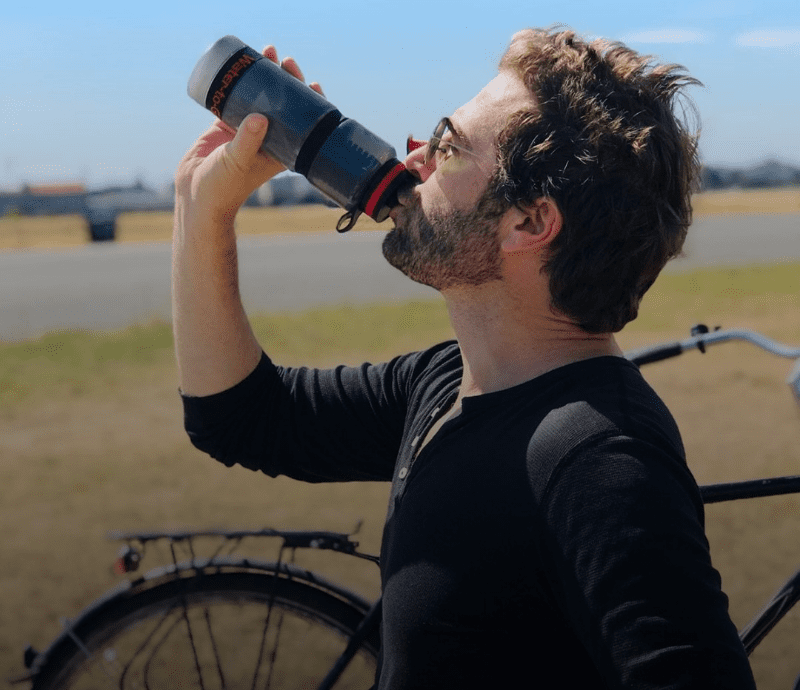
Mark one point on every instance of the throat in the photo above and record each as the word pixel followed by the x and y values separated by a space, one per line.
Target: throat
pixel 489 370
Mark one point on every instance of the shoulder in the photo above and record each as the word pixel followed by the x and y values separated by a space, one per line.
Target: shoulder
pixel 432 361
pixel 426 371
pixel 399 374
pixel 599 411
pixel 445 356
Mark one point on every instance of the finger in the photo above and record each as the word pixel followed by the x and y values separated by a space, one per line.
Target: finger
pixel 271 53
pixel 291 66
pixel 215 136
pixel 315 85
pixel 246 144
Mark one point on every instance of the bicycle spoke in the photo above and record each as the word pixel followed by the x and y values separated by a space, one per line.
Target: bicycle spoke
pixel 274 654
pixel 146 670
pixel 261 647
pixel 140 650
pixel 214 648
pixel 194 649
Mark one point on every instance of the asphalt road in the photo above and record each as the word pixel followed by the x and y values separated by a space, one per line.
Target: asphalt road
pixel 112 286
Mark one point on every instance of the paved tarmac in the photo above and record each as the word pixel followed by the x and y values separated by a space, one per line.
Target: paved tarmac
pixel 115 285
pixel 735 240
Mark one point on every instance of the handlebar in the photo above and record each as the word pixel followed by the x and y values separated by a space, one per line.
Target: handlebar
pixel 701 337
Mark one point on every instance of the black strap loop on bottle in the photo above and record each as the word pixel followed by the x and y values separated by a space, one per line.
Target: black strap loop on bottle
pixel 348 221
pixel 313 143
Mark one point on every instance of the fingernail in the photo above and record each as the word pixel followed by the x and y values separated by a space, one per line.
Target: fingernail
pixel 255 124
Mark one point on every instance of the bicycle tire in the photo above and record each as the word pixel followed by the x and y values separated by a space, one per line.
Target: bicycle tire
pixel 211 630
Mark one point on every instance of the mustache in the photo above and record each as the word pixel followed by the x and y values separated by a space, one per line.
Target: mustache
pixel 406 196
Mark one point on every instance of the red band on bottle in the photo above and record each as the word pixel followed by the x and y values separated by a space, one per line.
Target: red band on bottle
pixel 369 209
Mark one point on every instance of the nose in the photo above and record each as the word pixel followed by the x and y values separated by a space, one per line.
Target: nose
pixel 415 160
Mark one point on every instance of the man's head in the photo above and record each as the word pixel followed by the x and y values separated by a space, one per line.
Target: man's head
pixel 605 144
pixel 590 127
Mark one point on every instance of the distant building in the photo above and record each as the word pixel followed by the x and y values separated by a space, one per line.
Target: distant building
pixel 721 178
pixel 103 207
pixel 52 199
pixel 290 189
pixel 770 173
pixel 9 204
pixel 135 198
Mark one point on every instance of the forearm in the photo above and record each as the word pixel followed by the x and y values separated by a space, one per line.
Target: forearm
pixel 214 343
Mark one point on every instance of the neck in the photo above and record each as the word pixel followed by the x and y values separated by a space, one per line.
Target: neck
pixel 504 343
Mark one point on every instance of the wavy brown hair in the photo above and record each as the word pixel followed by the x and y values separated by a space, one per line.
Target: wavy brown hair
pixel 606 144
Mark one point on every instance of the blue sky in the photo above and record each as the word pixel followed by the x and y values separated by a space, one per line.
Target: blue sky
pixel 96 92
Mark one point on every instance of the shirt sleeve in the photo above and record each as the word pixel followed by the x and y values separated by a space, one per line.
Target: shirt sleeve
pixel 630 569
pixel 342 424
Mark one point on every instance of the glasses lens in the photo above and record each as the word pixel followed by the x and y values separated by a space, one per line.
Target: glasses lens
pixel 433 144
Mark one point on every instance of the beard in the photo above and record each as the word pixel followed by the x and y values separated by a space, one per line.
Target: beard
pixel 460 248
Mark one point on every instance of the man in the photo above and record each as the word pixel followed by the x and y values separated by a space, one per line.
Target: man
pixel 543 527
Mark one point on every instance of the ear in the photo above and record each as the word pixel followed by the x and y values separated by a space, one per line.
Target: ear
pixel 531 228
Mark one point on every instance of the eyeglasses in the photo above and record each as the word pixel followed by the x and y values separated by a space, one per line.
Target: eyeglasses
pixel 438 147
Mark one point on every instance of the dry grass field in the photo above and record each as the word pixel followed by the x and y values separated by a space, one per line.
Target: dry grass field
pixel 65 231
pixel 737 201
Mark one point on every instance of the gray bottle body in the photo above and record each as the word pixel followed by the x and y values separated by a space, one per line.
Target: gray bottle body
pixel 306 133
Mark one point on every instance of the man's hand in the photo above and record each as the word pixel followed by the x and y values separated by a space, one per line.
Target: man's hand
pixel 224 167
pixel 214 344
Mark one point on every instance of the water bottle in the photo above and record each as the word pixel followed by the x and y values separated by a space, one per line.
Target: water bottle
pixel 306 133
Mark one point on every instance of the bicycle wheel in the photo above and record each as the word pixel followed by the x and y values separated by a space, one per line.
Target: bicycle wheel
pixel 213 631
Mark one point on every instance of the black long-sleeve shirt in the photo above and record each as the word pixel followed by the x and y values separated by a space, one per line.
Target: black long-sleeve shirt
pixel 550 534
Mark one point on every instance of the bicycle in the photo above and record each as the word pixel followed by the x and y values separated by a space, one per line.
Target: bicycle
pixel 191 619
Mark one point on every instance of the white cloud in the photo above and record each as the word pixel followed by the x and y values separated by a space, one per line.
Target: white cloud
pixel 770 38
pixel 666 36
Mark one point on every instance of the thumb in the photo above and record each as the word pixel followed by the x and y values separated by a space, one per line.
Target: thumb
pixel 246 144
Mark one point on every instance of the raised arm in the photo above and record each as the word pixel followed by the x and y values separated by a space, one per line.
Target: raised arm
pixel 214 343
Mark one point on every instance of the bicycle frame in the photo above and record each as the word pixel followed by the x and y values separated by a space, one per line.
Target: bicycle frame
pixel 789 593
